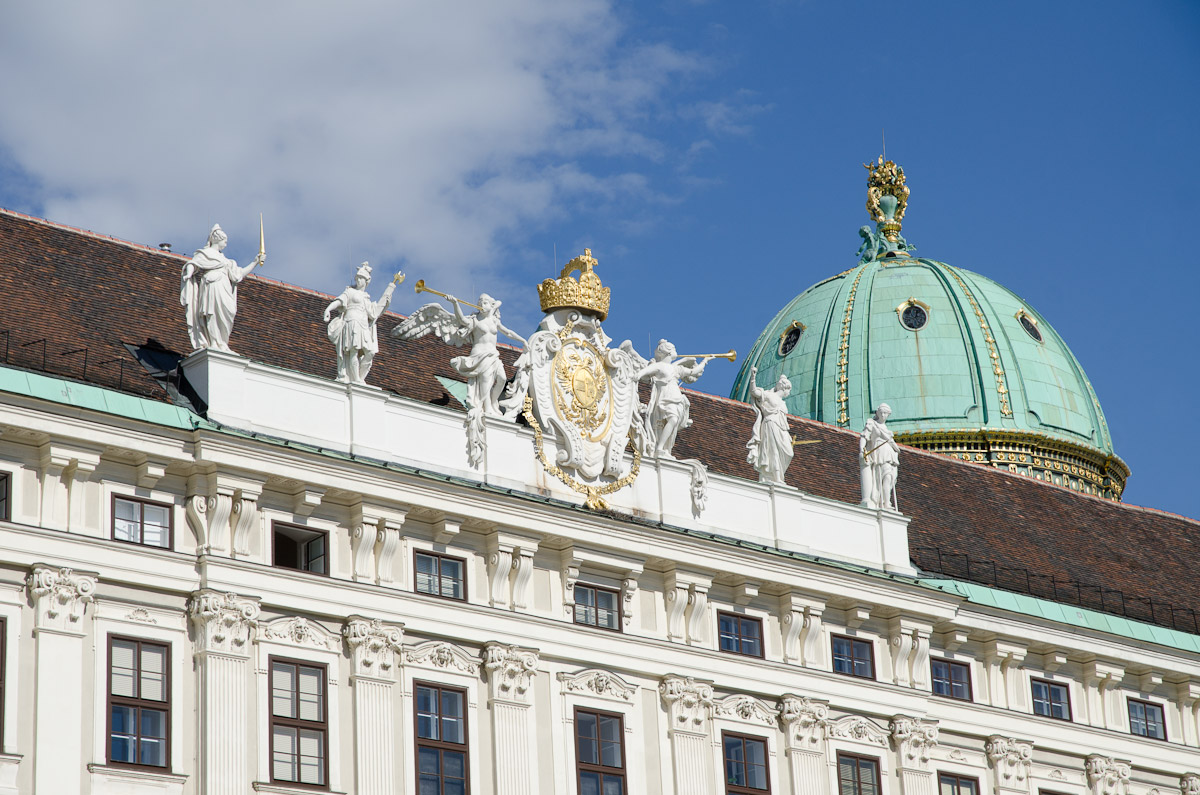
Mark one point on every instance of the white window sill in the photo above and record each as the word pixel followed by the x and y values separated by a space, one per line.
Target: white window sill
pixel 284 789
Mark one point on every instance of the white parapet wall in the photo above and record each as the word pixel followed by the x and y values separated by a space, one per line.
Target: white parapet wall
pixel 367 421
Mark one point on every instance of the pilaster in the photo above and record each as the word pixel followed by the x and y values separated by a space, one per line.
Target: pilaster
pixel 1099 681
pixel 1106 776
pixel 373 647
pixel 63 472
pixel 914 740
pixel 1012 760
pixel 1001 662
pixel 689 704
pixel 800 621
pixel 510 672
pixel 686 595
pixel 60 597
pixel 803 720
pixel 224 623
pixel 509 569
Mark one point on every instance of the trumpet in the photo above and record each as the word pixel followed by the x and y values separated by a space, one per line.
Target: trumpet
pixel 421 288
pixel 731 356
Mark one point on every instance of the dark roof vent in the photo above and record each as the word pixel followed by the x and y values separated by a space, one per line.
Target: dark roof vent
pixel 164 246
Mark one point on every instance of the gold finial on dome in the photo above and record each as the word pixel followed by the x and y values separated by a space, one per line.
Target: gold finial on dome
pixel 886 179
pixel 587 294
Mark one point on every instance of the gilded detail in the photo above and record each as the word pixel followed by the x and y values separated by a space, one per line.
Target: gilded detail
pixel 993 353
pixel 843 401
pixel 586 294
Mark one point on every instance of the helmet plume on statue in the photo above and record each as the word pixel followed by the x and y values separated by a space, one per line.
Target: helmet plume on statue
pixel 587 294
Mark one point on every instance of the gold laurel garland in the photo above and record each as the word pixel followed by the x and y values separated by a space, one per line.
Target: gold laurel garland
pixel 843 401
pixel 997 370
pixel 593 494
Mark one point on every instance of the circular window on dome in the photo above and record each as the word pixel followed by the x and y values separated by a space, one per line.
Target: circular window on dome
pixel 790 337
pixel 1029 323
pixel 913 314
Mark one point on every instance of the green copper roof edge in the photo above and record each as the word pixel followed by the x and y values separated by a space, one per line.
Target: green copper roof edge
pixel 96 398
pixel 1061 613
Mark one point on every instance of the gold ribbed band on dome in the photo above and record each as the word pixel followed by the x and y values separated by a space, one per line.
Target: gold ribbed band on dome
pixel 997 368
pixel 843 400
pixel 1053 460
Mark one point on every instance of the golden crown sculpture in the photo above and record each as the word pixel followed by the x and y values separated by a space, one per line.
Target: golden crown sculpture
pixel 886 179
pixel 587 294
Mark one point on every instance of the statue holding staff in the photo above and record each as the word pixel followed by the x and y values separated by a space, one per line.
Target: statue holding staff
pixel 208 291
pixel 770 447
pixel 878 461
pixel 352 331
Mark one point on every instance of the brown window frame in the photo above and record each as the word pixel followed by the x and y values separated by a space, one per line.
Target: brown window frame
pixel 745 789
pixel 952 664
pixel 440 557
pixel 3 673
pixel 596 608
pixel 298 723
pixel 1162 711
pixel 833 639
pixel 138 703
pixel 277 526
pixel 739 618
pixel 958 782
pixel 858 758
pixel 6 480
pixel 1051 684
pixel 112 530
pixel 602 770
pixel 439 744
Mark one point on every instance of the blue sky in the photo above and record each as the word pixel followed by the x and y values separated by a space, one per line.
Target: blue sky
pixel 708 152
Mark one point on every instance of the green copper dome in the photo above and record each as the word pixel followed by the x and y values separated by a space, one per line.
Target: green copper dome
pixel 967 366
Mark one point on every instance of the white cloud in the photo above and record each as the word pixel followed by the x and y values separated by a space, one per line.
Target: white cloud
pixel 371 130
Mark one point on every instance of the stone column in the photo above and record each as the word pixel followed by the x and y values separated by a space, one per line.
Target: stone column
pixel 224 622
pixel 510 671
pixel 373 647
pixel 804 720
pixel 689 704
pixel 914 739
pixel 1011 762
pixel 1106 776
pixel 59 598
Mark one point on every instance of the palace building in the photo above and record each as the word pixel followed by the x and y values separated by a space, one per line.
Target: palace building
pixel 544 567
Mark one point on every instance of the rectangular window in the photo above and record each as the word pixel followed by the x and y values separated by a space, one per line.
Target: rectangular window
pixel 853 657
pixel 300 548
pixel 740 634
pixel 1051 700
pixel 951 679
pixel 5 496
pixel 299 725
pixel 745 764
pixel 857 775
pixel 441 740
pixel 599 752
pixel 598 607
pixel 1146 719
pixel 140 521
pixel 441 575
pixel 949 784
pixel 3 675
pixel 139 707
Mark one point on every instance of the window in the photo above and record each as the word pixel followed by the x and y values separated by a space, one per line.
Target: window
pixel 949 784
pixel 740 634
pixel 3 677
pixel 441 576
pixel 745 764
pixel 789 337
pixel 1051 700
pixel 299 548
pixel 5 496
pixel 1146 719
pixel 139 707
pixel 597 607
pixel 951 679
pixel 141 522
pixel 599 752
pixel 1029 324
pixel 441 740
pixel 299 727
pixel 854 657
pixel 857 775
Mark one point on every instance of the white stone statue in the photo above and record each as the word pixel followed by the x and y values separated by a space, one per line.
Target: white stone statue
pixel 208 292
pixel 878 461
pixel 667 413
pixel 770 445
pixel 352 330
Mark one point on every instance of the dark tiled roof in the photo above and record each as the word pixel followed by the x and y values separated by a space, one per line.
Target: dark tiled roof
pixel 75 290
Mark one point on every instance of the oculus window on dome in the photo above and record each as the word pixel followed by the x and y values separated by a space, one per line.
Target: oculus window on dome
pixel 913 314
pixel 790 337
pixel 1030 324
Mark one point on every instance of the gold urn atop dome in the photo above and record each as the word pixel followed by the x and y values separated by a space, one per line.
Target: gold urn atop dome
pixel 587 294
pixel 887 196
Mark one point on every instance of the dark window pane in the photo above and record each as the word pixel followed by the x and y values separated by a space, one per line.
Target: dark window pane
pixel 589 783
pixel 614 785
pixel 122 748
pixel 454 764
pixel 429 761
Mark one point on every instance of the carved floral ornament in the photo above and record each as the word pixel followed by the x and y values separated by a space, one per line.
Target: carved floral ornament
pixel 914 739
pixel 223 620
pixel 440 654
pixel 804 719
pixel 372 643
pixel 1189 784
pixel 1107 776
pixel 746 708
pixel 688 700
pixel 59 591
pixel 510 668
pixel 594 681
pixel 299 631
pixel 1010 757
pixel 860 729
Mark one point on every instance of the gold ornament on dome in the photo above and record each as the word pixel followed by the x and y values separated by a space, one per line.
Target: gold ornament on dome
pixel 586 294
pixel 885 179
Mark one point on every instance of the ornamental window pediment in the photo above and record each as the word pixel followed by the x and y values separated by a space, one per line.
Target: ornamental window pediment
pixel 299 631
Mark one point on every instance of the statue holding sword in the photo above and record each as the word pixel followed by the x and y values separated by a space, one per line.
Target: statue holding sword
pixel 878 461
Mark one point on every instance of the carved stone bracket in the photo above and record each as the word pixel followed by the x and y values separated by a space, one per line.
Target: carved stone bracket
pixel 246 519
pixel 60 597
pixel 298 631
pixel 914 740
pixel 1189 784
pixel 373 645
pixel 687 605
pixel 510 670
pixel 386 545
pixel 440 654
pixel 223 621
pixel 1011 759
pixel 804 720
pixel 800 620
pixel 365 526
pixel 690 702
pixel 745 708
pixel 909 642
pixel 1107 776
pixel 596 682
pixel 509 569
pixel 1002 660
